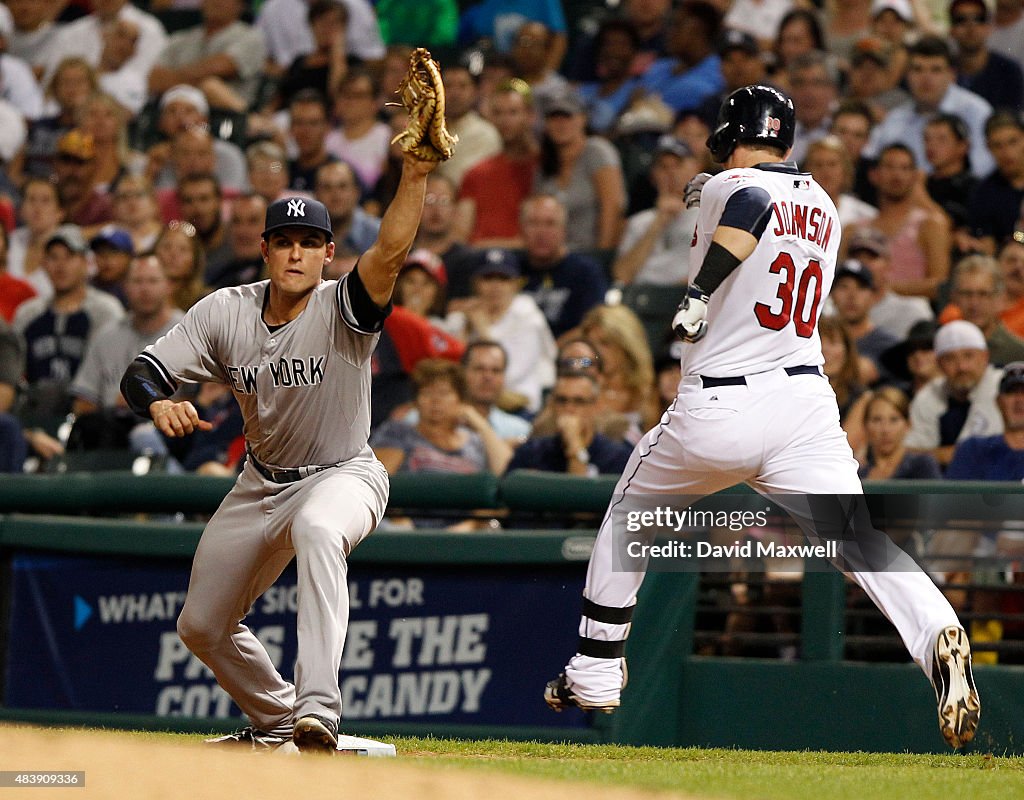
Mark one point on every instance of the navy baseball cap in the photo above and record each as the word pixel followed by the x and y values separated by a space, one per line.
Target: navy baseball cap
pixel 856 269
pixel 291 212
pixel 1013 378
pixel 114 238
pixel 497 261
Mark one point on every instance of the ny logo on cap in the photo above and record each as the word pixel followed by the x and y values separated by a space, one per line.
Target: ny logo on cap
pixel 296 208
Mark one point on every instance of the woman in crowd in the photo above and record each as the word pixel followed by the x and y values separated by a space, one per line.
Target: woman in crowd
pixel 180 253
pixel 360 138
pixel 40 213
pixel 799 32
pixel 450 436
pixel 584 172
pixel 137 211
pixel 107 121
pixel 841 359
pixel 886 422
pixel 626 365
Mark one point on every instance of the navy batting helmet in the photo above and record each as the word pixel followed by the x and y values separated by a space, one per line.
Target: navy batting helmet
pixel 753 114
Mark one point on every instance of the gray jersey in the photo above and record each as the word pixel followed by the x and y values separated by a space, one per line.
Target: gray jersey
pixel 304 389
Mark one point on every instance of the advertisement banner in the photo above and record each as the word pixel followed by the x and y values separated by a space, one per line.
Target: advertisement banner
pixel 459 645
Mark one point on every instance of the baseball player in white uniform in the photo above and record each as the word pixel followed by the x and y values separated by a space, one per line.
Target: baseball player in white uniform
pixel 295 351
pixel 754 408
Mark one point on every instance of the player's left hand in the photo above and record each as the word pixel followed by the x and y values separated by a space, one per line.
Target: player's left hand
pixel 690 322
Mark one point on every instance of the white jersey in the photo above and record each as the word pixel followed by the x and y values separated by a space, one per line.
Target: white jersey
pixel 765 314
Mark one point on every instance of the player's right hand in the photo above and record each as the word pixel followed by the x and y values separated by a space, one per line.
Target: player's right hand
pixel 690 322
pixel 177 419
pixel 694 188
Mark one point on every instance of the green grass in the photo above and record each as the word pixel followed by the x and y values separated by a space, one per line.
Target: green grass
pixel 736 773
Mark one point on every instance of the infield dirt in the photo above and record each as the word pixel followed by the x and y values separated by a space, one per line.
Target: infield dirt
pixel 120 765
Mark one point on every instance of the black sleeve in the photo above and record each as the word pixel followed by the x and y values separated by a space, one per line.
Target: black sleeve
pixel 142 386
pixel 718 265
pixel 360 312
pixel 748 209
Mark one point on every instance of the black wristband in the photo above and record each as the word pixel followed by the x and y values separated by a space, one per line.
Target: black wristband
pixel 718 265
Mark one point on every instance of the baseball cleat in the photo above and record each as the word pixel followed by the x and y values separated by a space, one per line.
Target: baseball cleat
pixel 955 693
pixel 315 734
pixel 251 738
pixel 559 696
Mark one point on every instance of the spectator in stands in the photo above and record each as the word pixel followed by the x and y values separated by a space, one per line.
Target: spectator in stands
pixel 897 23
pixel 1011 266
pixel 993 76
pixel 193 152
pixel 852 124
pixel 842 369
pixel 361 138
pixel 1007 36
pixel 310 123
pixel 112 252
pixel 13 291
pixel 40 213
pixel 814 83
pixel 421 285
pixel 34 35
pixel 245 229
pixel 84 36
pixel 114 71
pixel 498 310
pixel 184 108
pixel 337 187
pixel 918 235
pixel 267 169
pixel 136 211
pixel 997 205
pixel 106 122
pixel 200 198
pixel 656 244
pixel 438 235
pixel 499 20
pixel 57 330
pixel 886 423
pixel 180 253
pixel 577 448
pixel 13 446
pixel 691 72
pixel 585 172
pixel 487 218
pixel 872 79
pixel 854 294
pixel 530 62
pixel 615 85
pixel 323 67
pixel 978 293
pixel 798 33
pixel 566 285
pixel 222 56
pixel 286 29
pixel 84 201
pixel 478 138
pixel 846 24
pixel 627 368
pixel 892 312
pixel 999 457
pixel 830 164
pixel 931 81
pixel 912 361
pixel 96 387
pixel 950 182
pixel 648 18
pixel 741 64
pixel 962 401
pixel 451 435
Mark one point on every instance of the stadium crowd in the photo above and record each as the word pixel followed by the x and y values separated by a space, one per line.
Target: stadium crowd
pixel 141 143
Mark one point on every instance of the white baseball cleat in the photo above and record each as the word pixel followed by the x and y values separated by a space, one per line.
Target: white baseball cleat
pixel 957 697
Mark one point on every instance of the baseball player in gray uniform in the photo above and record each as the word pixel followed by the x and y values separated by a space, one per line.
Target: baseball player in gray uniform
pixel 295 350
pixel 753 407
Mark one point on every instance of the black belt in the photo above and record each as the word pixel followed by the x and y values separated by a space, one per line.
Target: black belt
pixel 288 475
pixel 739 380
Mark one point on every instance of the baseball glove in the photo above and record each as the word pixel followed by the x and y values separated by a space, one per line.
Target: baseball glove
pixel 422 94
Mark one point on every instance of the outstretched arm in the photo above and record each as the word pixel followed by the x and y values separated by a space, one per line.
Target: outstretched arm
pixel 380 265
